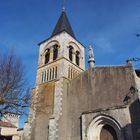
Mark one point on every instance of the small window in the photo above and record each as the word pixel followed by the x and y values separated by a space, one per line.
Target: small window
pixel 44 76
pixel 47 56
pixel 70 53
pixel 55 72
pixel 47 75
pixel 50 74
pixel 78 58
pixel 55 52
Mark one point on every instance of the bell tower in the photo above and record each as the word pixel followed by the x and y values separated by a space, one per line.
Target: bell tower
pixel 61 55
pixel 61 59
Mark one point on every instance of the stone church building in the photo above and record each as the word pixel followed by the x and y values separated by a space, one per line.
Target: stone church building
pixel 71 103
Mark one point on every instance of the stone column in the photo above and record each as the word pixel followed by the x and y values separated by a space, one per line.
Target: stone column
pixel 51 54
pixel 73 57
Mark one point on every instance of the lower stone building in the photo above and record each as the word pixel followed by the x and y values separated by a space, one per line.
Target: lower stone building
pixel 9 126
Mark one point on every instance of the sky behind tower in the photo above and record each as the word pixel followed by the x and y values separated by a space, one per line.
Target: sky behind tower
pixel 110 26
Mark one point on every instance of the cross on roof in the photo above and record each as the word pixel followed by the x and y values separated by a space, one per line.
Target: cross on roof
pixel 64 5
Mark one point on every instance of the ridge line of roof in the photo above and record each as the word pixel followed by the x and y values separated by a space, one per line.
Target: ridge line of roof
pixel 56 35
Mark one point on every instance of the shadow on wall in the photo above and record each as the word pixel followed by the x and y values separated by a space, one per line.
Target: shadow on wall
pixel 103 125
pixel 135 118
pixel 5 137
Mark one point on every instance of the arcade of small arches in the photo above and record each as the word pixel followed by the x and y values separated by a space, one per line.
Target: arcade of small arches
pixel 71 55
pixel 55 50
pixel 49 74
pixel 72 73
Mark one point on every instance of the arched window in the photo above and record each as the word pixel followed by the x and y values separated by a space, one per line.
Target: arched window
pixel 47 75
pixel 78 58
pixel 70 52
pixel 50 74
pixel 47 56
pixel 55 52
pixel 55 72
pixel 44 76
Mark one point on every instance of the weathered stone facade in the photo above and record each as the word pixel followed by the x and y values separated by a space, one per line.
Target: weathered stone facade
pixel 101 95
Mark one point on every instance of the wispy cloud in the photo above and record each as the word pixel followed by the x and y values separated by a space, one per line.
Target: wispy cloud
pixel 22 48
pixel 104 44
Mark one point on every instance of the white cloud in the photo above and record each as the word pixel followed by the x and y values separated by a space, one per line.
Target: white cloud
pixel 104 45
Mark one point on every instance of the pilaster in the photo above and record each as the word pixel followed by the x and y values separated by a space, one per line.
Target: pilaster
pixel 57 113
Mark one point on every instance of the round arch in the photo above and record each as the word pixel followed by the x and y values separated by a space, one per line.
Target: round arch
pixel 96 125
pixel 75 46
pixel 51 43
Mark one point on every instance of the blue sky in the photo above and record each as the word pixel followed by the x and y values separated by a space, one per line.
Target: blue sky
pixel 110 26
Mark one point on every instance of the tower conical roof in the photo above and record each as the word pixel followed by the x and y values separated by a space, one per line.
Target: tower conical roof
pixel 63 25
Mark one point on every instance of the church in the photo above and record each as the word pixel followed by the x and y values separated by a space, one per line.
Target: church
pixel 71 103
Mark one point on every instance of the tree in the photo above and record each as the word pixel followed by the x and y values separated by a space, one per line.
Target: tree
pixel 14 91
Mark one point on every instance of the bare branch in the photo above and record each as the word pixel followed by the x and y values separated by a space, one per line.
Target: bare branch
pixel 14 91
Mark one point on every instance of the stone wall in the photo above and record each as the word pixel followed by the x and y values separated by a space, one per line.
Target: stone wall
pixel 6 131
pixel 96 90
pixel 43 111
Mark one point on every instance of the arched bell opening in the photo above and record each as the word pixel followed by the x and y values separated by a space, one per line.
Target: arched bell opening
pixel 47 56
pixel 70 53
pixel 55 52
pixel 77 58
